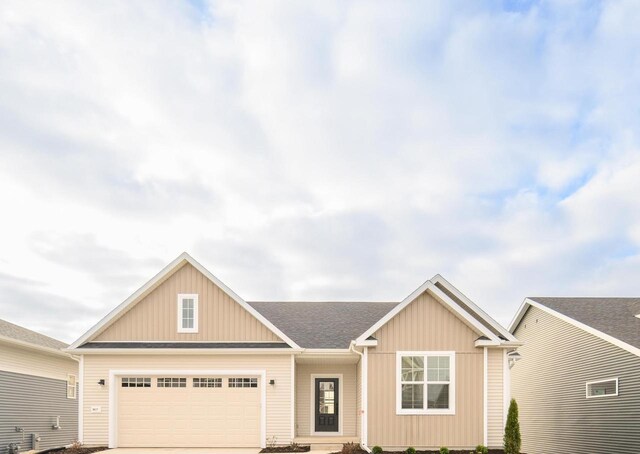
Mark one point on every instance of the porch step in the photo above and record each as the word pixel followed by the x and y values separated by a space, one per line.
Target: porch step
pixel 333 447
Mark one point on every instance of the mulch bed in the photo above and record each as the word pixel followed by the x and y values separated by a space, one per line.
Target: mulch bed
pixel 469 451
pixel 296 448
pixel 80 450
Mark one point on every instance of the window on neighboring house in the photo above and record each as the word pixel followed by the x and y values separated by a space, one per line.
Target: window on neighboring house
pixel 71 386
pixel 425 383
pixel 136 382
pixel 602 388
pixel 243 383
pixel 207 382
pixel 187 313
pixel 172 382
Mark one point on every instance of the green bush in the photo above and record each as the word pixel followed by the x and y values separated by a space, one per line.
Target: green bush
pixel 444 450
pixel 376 450
pixel 411 450
pixel 481 449
pixel 512 441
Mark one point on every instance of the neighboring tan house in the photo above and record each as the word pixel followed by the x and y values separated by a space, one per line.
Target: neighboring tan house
pixel 186 362
pixel 578 380
pixel 38 391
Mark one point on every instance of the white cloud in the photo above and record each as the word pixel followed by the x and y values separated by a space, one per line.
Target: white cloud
pixel 317 150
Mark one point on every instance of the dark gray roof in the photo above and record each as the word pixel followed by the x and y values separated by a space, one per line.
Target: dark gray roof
pixel 16 332
pixel 331 324
pixel 613 316
pixel 185 345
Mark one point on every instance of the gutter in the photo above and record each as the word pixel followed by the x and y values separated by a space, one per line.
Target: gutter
pixel 363 423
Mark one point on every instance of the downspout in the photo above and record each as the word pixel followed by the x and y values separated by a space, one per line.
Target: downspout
pixel 363 390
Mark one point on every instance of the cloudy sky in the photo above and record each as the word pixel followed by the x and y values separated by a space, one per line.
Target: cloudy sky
pixel 316 150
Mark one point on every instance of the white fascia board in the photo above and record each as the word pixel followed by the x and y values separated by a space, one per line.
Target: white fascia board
pixel 613 340
pixel 367 343
pixel 519 314
pixel 440 295
pixel 166 271
pixel 186 351
pixel 477 309
pixel 39 348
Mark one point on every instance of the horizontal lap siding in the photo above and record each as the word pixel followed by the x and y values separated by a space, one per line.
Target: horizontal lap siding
pixel 495 401
pixel 549 385
pixel 33 403
pixel 425 325
pixel 278 368
pixel 31 362
pixel 304 404
pixel 220 318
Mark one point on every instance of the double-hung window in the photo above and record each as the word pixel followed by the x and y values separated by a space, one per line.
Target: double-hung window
pixel 187 313
pixel 71 386
pixel 425 383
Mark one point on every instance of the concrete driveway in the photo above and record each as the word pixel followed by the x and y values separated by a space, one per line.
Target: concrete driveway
pixel 193 451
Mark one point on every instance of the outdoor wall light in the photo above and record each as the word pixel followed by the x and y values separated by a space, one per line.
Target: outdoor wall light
pixel 272 382
pixel 101 382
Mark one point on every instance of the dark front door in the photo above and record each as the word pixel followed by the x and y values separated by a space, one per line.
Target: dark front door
pixel 327 402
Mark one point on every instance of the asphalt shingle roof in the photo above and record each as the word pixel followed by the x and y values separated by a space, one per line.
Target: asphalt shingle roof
pixel 16 332
pixel 322 324
pixel 613 316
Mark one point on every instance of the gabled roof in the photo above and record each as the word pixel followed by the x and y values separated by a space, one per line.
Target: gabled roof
pixel 612 319
pixel 166 272
pixel 330 324
pixel 18 335
pixel 451 297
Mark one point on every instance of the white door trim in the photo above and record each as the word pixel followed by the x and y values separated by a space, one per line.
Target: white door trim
pixel 312 396
pixel 113 393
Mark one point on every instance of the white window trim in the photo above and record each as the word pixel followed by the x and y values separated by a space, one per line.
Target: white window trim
pixel 74 394
pixel 595 382
pixel 452 384
pixel 181 298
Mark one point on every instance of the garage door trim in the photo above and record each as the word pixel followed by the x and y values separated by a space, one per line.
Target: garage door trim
pixel 113 393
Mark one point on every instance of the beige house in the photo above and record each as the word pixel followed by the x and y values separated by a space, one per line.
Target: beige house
pixel 186 362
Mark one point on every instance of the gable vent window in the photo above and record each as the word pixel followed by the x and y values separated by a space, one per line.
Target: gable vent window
pixel 602 388
pixel 187 313
pixel 136 382
pixel 243 383
pixel 425 383
pixel 172 382
pixel 71 386
pixel 207 383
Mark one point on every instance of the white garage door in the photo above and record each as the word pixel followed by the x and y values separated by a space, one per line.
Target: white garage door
pixel 187 411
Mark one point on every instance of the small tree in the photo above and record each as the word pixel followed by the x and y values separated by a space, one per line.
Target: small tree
pixel 512 441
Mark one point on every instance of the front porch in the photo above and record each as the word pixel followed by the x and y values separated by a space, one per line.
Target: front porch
pixel 327 400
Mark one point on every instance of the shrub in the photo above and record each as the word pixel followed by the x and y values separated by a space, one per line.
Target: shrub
pixel 444 450
pixel 512 441
pixel 411 450
pixel 481 449
pixel 376 450
pixel 350 448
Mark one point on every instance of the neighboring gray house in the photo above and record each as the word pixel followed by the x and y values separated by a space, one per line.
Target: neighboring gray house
pixel 38 391
pixel 577 382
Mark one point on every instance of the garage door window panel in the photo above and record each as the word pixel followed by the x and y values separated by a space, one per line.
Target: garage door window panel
pixel 172 382
pixel 243 382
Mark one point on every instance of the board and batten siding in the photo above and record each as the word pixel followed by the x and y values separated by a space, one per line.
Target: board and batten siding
pixel 495 400
pixel 154 317
pixel 549 385
pixel 33 403
pixel 425 325
pixel 96 367
pixel 305 404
